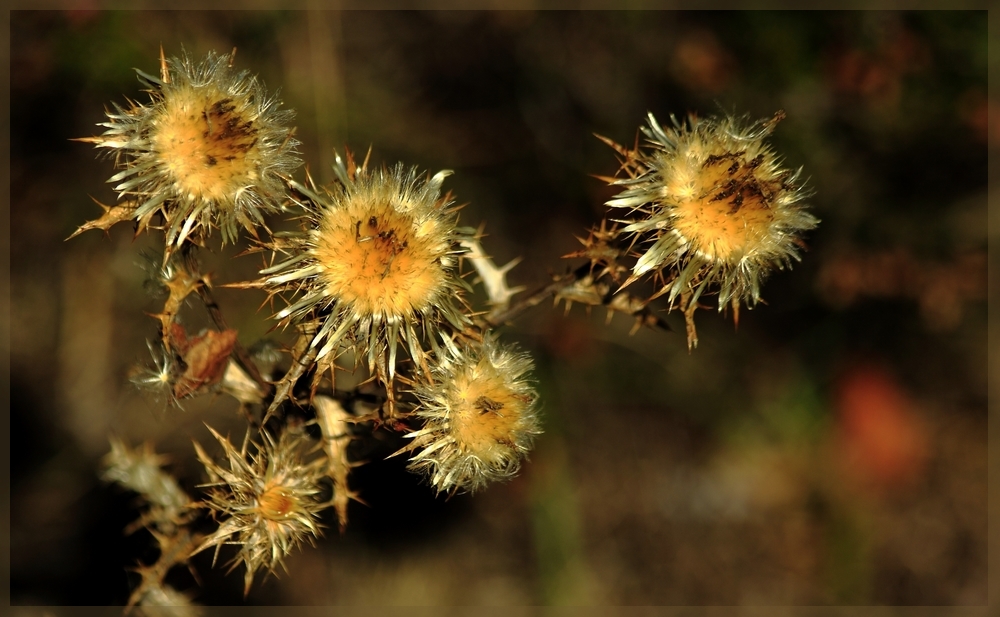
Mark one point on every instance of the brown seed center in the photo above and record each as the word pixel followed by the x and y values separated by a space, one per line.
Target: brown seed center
pixel 730 212
pixel 375 259
pixel 207 141
pixel 486 411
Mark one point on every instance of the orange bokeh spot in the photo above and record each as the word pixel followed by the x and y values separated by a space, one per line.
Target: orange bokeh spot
pixel 883 440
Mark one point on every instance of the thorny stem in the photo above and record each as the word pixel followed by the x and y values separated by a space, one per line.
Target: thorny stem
pixel 175 550
pixel 239 351
pixel 500 316
pixel 503 315
pixel 215 312
pixel 303 355
pixel 689 309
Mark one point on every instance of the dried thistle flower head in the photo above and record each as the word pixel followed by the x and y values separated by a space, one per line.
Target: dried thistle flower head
pixel 480 417
pixel 208 150
pixel 140 470
pixel 269 499
pixel 715 205
pixel 376 262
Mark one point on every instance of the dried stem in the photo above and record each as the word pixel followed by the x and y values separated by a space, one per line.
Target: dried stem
pixel 240 352
pixel 503 315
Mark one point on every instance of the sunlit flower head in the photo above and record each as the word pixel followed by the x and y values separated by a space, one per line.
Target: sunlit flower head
pixel 208 150
pixel 480 417
pixel 376 262
pixel 715 208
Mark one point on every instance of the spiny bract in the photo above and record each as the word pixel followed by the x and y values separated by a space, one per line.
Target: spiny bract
pixel 210 149
pixel 480 417
pixel 716 206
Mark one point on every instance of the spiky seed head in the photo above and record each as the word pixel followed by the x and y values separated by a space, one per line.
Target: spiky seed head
pixel 208 150
pixel 480 416
pixel 269 499
pixel 377 261
pixel 140 470
pixel 716 208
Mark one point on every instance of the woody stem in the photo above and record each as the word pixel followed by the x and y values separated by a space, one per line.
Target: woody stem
pixel 496 317
pixel 240 352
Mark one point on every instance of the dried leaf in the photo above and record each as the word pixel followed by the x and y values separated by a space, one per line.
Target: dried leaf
pixel 205 356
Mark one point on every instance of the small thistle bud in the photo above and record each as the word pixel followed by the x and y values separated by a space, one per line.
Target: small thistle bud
pixel 159 379
pixel 717 209
pixel 480 417
pixel 208 150
pixel 376 262
pixel 269 500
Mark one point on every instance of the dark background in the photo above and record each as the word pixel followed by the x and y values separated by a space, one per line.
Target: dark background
pixel 832 450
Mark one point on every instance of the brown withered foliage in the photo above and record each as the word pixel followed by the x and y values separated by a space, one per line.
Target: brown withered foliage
pixel 205 357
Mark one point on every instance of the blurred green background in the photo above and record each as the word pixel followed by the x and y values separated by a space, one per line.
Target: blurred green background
pixel 832 450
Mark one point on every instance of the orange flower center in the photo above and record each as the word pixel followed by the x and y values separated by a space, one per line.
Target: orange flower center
pixel 486 411
pixel 207 140
pixel 725 211
pixel 376 258
pixel 275 503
